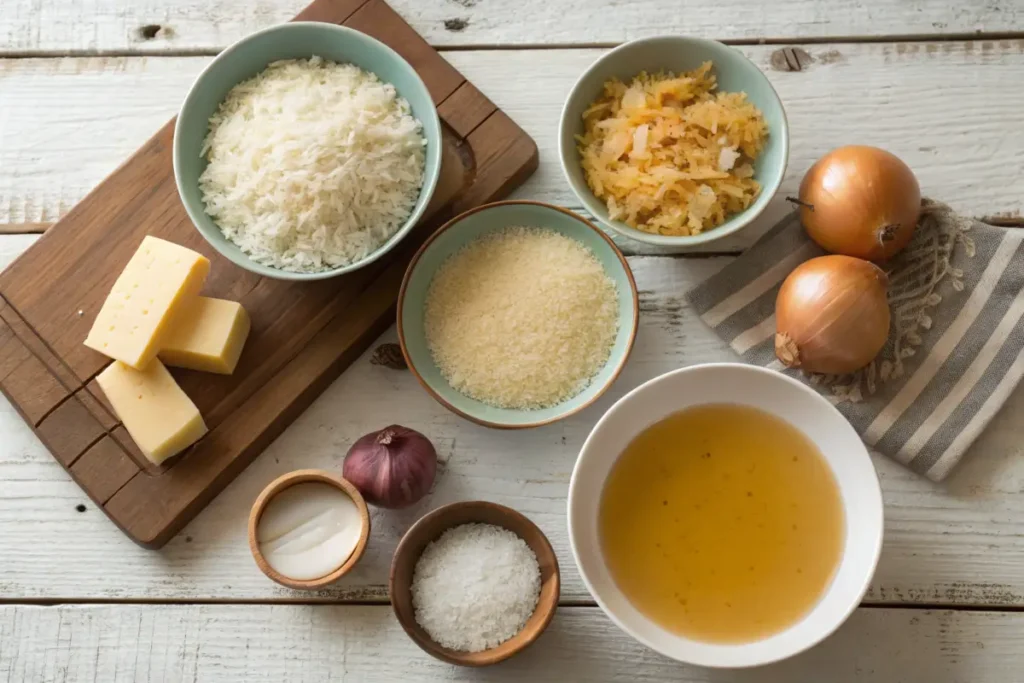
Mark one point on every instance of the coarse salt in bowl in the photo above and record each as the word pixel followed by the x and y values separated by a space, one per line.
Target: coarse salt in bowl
pixel 432 527
pixel 772 392
pixel 475 586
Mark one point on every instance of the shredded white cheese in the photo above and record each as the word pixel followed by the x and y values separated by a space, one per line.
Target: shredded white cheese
pixel 727 157
pixel 312 165
pixel 521 318
pixel 475 587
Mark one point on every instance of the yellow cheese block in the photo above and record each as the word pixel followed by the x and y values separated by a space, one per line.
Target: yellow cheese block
pixel 159 416
pixel 208 335
pixel 147 295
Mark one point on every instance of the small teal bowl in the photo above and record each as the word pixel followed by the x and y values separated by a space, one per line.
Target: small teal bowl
pixel 464 229
pixel 735 73
pixel 251 55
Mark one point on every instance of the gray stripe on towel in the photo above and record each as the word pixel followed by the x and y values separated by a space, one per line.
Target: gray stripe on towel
pixel 778 243
pixel 963 368
pixel 956 365
pixel 969 407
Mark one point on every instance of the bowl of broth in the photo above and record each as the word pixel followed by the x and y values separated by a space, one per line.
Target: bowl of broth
pixel 725 515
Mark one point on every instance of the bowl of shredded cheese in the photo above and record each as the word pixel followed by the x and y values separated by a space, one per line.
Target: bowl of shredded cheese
pixel 306 151
pixel 517 314
pixel 674 141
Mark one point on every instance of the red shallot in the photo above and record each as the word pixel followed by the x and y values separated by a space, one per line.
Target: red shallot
pixel 392 468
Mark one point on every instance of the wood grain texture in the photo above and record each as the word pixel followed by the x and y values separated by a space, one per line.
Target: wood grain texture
pixel 466 109
pixel 69 431
pixel 32 388
pixel 937 104
pixel 103 469
pixel 960 543
pixel 13 353
pixel 303 334
pixel 218 643
pixel 375 18
pixel 35 344
pixel 24 228
pixel 943 107
pixel 162 26
pixel 124 440
pixel 96 403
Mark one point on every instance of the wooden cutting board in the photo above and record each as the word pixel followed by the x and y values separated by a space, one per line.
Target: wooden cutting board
pixel 303 334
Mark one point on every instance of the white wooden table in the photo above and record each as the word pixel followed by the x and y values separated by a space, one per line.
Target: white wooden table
pixel 82 84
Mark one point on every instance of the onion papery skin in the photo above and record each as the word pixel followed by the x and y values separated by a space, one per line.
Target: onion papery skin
pixel 832 315
pixel 860 201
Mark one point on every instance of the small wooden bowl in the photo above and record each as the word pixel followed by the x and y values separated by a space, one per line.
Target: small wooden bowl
pixel 428 529
pixel 291 479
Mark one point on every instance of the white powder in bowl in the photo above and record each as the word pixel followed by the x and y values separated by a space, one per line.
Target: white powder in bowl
pixel 475 587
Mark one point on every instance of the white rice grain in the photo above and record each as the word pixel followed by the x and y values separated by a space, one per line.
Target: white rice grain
pixel 312 165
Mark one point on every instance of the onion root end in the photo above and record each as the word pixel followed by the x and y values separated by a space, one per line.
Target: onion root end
pixel 786 350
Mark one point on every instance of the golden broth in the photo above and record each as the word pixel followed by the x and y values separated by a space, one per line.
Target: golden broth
pixel 722 523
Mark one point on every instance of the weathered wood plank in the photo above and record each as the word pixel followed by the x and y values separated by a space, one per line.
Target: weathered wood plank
pixel 161 26
pixel 23 228
pixel 302 336
pixel 943 107
pixel 959 543
pixel 217 643
pixel 11 247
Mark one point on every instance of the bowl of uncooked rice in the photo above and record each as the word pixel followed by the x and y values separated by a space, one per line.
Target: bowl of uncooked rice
pixel 306 151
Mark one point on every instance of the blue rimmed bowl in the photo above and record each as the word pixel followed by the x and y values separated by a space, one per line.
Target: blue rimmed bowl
pixel 476 223
pixel 250 56
pixel 735 73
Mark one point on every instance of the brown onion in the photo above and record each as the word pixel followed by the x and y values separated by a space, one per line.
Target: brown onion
pixel 392 468
pixel 860 201
pixel 831 315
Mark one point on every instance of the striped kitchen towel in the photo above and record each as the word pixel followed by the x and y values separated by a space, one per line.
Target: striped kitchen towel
pixel 955 350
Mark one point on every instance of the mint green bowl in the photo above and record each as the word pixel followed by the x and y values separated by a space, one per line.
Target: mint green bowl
pixel 464 229
pixel 251 55
pixel 735 73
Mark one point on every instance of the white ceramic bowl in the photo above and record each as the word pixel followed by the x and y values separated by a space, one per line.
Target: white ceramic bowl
pixel 774 393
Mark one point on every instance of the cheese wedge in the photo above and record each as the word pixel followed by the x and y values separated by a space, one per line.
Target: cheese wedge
pixel 208 336
pixel 161 419
pixel 138 312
